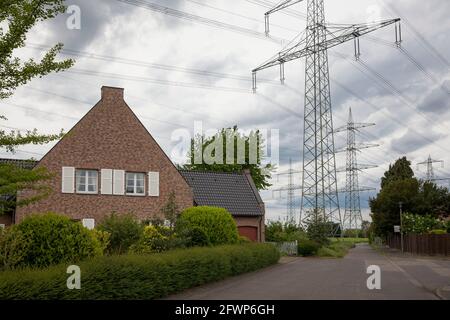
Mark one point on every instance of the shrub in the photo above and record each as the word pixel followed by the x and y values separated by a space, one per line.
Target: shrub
pixel 13 248
pixel 242 239
pixel 217 223
pixel 276 231
pixel 152 240
pixel 139 276
pixel 197 237
pixel 438 231
pixel 50 239
pixel 418 224
pixel 307 248
pixel 124 231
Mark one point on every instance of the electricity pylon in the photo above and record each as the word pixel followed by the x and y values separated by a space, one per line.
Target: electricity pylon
pixel 352 216
pixel 430 170
pixel 290 188
pixel 319 185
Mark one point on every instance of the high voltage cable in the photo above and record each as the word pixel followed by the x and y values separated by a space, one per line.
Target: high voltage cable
pixel 195 18
pixel 237 14
pixel 387 115
pixel 418 35
pixel 156 81
pixel 165 67
pixel 270 5
pixel 414 61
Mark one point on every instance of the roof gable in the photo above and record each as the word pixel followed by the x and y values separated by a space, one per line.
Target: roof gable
pixel 110 135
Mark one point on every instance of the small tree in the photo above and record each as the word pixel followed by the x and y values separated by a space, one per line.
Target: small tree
pixel 171 210
pixel 318 228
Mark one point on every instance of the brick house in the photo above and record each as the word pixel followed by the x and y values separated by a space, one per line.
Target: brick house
pixel 109 162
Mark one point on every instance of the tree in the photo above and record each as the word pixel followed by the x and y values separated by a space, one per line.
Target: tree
pixel 17 17
pixel 417 197
pixel 222 140
pixel 399 171
pixel 171 210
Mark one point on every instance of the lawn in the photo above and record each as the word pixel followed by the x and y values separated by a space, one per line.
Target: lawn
pixel 339 247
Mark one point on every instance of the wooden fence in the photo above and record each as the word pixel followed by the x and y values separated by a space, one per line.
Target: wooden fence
pixel 423 244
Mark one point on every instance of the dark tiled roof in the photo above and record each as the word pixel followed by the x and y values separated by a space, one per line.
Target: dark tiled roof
pixel 231 191
pixel 24 164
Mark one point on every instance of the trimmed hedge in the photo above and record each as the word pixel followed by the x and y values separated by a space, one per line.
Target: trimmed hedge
pixel 139 277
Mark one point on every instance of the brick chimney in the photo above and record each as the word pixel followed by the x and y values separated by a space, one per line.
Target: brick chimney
pixel 112 93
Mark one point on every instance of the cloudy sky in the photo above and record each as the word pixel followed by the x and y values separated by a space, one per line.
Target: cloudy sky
pixel 196 66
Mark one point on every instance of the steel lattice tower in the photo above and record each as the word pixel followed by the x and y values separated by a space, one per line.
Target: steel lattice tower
pixel 319 185
pixel 352 216
pixel 430 171
pixel 290 188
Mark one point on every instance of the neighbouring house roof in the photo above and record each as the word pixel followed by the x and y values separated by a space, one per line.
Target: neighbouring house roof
pixel 24 164
pixel 232 191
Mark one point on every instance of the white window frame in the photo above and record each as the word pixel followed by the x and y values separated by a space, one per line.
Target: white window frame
pixel 86 177
pixel 135 179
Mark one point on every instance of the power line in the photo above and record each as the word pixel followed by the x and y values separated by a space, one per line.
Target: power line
pixel 236 14
pixel 198 19
pixel 165 67
pixel 155 81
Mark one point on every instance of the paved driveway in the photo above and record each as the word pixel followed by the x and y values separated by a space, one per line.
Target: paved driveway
pixel 318 278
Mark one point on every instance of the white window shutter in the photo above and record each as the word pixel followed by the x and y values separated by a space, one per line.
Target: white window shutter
pixel 119 182
pixel 107 181
pixel 153 184
pixel 88 223
pixel 68 180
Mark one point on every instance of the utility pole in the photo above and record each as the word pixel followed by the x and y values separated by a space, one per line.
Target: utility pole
pixel 430 171
pixel 319 183
pixel 401 224
pixel 352 216
pixel 290 188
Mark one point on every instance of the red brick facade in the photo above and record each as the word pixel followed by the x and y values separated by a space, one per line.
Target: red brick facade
pixel 109 136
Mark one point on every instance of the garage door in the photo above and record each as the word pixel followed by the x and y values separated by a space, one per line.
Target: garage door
pixel 249 232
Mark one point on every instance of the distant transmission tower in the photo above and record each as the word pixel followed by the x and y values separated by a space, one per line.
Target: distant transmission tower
pixel 430 170
pixel 353 217
pixel 290 189
pixel 319 187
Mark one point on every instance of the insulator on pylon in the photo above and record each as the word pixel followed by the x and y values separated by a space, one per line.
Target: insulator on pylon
pixel 254 81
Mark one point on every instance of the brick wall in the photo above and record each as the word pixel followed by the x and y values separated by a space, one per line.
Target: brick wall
pixel 110 136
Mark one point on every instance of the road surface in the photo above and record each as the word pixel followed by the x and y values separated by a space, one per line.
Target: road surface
pixel 402 277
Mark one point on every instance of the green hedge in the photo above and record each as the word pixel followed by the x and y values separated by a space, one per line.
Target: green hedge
pixel 217 223
pixel 139 276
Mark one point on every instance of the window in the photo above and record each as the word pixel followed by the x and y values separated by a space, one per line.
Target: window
pixel 135 183
pixel 86 181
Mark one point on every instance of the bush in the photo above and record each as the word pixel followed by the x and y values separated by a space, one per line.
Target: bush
pixel 337 249
pixel 242 239
pixel 139 277
pixel 45 239
pixel 438 231
pixel 153 239
pixel 217 223
pixel 277 231
pixel 197 237
pixel 307 248
pixel 124 231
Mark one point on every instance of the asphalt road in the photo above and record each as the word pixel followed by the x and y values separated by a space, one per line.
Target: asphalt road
pixel 402 277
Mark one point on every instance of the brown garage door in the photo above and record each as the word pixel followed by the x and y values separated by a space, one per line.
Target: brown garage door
pixel 249 232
